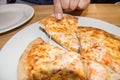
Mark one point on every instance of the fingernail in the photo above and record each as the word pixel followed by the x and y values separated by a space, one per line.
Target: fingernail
pixel 59 16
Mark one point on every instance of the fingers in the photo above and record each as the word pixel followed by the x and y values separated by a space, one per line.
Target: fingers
pixel 83 4
pixel 73 4
pixel 68 5
pixel 65 4
pixel 58 9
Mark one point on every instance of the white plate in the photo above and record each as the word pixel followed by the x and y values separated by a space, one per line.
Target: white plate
pixel 11 52
pixel 14 15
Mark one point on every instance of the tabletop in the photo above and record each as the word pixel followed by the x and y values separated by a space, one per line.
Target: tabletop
pixel 106 12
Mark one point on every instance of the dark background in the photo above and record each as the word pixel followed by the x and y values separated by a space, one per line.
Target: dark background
pixel 51 1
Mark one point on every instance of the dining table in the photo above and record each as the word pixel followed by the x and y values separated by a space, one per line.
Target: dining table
pixel 107 12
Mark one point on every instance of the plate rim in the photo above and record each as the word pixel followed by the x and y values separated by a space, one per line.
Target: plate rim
pixel 16 5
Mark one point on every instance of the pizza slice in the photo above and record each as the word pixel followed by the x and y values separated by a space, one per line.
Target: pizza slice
pixel 62 31
pixel 100 46
pixel 43 61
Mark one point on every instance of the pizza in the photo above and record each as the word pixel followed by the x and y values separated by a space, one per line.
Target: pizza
pixel 100 46
pixel 43 61
pixel 62 31
pixel 99 57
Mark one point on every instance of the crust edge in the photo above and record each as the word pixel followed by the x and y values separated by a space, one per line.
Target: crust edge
pixel 23 66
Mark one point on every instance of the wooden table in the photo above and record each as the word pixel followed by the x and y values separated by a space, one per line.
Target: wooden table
pixel 106 12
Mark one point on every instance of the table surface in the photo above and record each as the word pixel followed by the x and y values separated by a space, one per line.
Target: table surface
pixel 106 12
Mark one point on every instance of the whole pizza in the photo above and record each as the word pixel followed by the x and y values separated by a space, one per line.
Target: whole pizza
pixel 86 53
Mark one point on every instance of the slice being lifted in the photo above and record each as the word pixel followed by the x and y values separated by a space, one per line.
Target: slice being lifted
pixel 62 31
pixel 43 61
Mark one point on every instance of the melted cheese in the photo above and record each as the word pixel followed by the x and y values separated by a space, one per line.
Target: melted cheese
pixel 96 71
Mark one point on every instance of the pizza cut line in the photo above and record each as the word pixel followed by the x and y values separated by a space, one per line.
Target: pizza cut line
pixel 99 58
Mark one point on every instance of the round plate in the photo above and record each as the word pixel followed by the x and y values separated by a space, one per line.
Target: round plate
pixel 14 15
pixel 12 50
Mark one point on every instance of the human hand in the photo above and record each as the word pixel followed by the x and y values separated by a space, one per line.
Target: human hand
pixel 68 5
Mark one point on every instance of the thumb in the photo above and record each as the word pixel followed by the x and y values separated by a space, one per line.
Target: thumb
pixel 58 9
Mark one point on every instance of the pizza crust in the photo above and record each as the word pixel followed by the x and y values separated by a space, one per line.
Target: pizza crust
pixel 23 70
pixel 23 66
